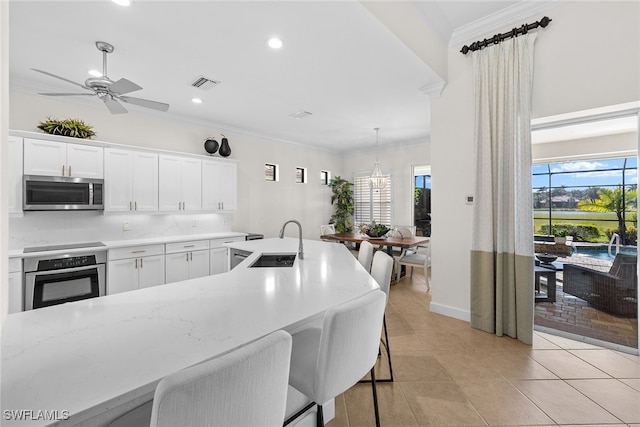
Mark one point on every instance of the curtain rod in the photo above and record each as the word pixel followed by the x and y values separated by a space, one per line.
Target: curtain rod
pixel 524 29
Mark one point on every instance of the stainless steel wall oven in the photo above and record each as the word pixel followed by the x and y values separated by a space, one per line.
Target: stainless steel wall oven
pixel 64 277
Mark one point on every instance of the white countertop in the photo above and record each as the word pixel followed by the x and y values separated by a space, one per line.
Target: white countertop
pixel 84 356
pixel 112 244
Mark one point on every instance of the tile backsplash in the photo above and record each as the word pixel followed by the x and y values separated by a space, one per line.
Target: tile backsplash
pixel 54 228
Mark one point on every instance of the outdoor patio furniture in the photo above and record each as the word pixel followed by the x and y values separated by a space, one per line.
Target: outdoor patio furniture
pixel 615 291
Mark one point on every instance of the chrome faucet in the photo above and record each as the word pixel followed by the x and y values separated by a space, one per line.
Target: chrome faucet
pixel 300 252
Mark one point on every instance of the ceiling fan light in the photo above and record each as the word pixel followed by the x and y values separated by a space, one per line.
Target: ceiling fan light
pixel 95 73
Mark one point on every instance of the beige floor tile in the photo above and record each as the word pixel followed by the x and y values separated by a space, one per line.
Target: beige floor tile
pixel 417 366
pixel 564 404
pixel 611 362
pixel 565 365
pixel 396 321
pixel 402 341
pixel 568 344
pixel 613 395
pixel 466 365
pixel 597 425
pixel 341 419
pixel 517 365
pixel 500 403
pixel 440 403
pixel 484 341
pixel 393 407
pixel 541 343
pixel 633 383
pixel 441 339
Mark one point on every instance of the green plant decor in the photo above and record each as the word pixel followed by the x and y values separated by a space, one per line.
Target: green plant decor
pixel 342 198
pixel 67 127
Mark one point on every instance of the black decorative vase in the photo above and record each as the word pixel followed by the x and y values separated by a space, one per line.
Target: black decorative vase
pixel 211 146
pixel 225 150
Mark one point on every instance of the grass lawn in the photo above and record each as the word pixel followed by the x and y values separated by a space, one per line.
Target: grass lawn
pixel 602 220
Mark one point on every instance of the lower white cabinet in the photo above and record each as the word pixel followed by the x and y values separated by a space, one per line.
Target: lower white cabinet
pixel 186 260
pixel 16 294
pixel 135 267
pixel 219 254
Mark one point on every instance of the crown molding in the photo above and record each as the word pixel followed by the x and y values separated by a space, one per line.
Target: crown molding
pixel 433 91
pixel 500 21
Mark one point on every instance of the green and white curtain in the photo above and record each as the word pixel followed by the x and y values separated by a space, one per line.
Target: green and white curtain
pixel 502 244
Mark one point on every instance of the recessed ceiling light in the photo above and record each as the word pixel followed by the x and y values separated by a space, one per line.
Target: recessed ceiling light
pixel 95 73
pixel 275 43
pixel 196 101
pixel 122 2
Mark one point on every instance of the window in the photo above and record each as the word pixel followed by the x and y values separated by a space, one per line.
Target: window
pixel 301 175
pixel 588 199
pixel 271 172
pixel 325 177
pixel 422 203
pixel 371 205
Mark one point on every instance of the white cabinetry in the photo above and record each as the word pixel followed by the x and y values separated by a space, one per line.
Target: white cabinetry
pixel 187 260
pixel 131 181
pixel 16 294
pixel 134 268
pixel 52 158
pixel 219 185
pixel 219 254
pixel 15 174
pixel 180 183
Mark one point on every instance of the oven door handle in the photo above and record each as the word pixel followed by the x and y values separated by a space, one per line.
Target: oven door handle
pixel 64 270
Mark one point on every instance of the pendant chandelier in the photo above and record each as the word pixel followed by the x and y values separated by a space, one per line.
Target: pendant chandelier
pixel 377 180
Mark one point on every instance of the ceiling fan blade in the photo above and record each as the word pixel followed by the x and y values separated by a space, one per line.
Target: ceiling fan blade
pixel 123 86
pixel 114 106
pixel 67 94
pixel 61 78
pixel 160 106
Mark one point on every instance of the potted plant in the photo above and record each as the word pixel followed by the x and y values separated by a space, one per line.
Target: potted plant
pixel 342 197
pixel 560 235
pixel 67 127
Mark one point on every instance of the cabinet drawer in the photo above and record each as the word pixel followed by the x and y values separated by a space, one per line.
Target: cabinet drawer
pixel 136 251
pixel 216 243
pixel 15 265
pixel 188 246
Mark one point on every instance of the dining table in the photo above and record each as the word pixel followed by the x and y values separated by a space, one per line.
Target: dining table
pixel 388 242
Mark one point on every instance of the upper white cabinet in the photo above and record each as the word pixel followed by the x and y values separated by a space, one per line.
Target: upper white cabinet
pixel 180 180
pixel 219 185
pixel 131 181
pixel 15 174
pixel 52 158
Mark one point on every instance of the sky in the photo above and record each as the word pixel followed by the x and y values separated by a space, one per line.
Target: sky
pixel 586 173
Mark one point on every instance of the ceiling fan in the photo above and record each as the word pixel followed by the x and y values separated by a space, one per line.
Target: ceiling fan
pixel 107 90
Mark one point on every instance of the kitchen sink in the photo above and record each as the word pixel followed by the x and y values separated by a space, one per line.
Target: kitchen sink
pixel 274 260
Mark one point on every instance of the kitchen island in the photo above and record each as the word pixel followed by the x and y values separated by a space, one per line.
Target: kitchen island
pixel 77 362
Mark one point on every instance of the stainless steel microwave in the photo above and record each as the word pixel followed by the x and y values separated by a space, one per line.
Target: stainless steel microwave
pixel 54 193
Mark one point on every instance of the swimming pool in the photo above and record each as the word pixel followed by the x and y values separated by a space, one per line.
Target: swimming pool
pixel 601 252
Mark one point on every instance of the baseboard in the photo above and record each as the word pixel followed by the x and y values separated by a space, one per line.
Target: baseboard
pixel 446 310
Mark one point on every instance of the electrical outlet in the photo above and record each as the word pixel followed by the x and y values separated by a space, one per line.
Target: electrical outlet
pixel 125 226
pixel 194 223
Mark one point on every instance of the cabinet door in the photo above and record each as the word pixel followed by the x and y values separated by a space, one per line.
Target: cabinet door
pixel 198 264
pixel 122 276
pixel 15 174
pixel 176 267
pixel 145 182
pixel 218 261
pixel 211 186
pixel 191 184
pixel 16 304
pixel 229 186
pixel 85 161
pixel 151 271
pixel 117 182
pixel 169 183
pixel 43 157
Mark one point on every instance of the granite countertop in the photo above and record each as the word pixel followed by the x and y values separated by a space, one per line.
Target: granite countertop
pixel 88 356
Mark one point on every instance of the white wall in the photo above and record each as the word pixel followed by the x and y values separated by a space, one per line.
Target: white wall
pixel 599 147
pixel 4 134
pixel 588 57
pixel 262 206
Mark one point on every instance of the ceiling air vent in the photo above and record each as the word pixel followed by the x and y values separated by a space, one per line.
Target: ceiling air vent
pixel 300 114
pixel 204 83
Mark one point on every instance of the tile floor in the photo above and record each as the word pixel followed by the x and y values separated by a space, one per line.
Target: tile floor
pixel 448 374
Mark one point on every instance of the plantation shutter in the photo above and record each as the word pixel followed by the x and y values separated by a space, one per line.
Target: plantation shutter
pixel 369 204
